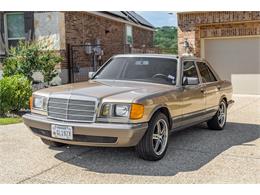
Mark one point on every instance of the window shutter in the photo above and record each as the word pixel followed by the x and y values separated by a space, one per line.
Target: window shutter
pixel 1 23
pixel 2 37
pixel 29 26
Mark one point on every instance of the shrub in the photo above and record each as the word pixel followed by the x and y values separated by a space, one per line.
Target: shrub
pixel 23 59
pixel 15 92
pixel 30 57
pixel 48 61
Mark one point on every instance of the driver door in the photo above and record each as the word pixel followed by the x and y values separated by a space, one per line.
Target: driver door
pixel 193 95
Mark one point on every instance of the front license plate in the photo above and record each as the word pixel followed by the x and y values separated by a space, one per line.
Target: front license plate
pixel 62 132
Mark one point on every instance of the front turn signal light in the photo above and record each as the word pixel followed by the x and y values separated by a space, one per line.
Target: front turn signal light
pixel 137 111
pixel 31 102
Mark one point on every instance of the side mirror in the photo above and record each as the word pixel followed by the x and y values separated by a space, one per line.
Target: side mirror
pixel 190 81
pixel 91 74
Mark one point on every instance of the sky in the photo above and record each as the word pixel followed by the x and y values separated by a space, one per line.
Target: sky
pixel 159 19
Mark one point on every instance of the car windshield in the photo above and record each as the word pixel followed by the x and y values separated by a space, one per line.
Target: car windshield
pixel 145 69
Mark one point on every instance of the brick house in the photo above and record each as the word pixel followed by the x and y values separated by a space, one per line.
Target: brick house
pixel 230 41
pixel 69 32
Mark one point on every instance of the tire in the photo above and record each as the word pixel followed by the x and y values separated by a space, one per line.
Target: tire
pixel 153 145
pixel 218 121
pixel 52 143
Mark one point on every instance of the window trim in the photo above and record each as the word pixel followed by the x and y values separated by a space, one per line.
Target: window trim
pixel 216 78
pixel 196 67
pixel 7 39
pixel 126 40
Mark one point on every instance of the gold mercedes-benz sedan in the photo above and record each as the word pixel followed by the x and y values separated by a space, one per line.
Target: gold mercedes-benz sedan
pixel 132 100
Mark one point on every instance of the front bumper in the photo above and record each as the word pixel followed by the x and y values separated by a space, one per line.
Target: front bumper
pixel 89 134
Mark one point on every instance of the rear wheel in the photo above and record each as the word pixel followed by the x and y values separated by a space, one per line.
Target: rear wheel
pixel 52 143
pixel 218 121
pixel 154 143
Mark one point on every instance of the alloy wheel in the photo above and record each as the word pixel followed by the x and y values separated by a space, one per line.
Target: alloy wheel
pixel 222 114
pixel 160 136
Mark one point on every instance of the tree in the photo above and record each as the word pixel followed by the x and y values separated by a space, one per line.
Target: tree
pixel 166 39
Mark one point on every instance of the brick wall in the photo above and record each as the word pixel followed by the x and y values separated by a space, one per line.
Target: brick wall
pixel 230 30
pixel 193 39
pixel 187 20
pixel 84 27
pixel 197 25
pixel 142 37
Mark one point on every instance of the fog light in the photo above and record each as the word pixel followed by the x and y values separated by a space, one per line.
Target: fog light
pixel 106 110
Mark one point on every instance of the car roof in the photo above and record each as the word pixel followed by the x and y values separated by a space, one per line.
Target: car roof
pixel 147 55
pixel 158 56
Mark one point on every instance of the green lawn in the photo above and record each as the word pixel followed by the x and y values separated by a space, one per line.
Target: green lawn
pixel 10 120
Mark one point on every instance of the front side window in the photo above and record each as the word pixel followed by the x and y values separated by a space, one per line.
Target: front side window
pixel 129 34
pixel 14 28
pixel 144 69
pixel 206 74
pixel 190 72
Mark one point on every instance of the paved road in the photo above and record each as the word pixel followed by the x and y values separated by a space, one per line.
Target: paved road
pixel 195 155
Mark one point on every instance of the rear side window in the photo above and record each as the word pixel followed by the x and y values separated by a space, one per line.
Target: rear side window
pixel 206 74
pixel 189 69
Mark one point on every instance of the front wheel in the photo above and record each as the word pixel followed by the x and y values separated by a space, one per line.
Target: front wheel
pixel 154 143
pixel 218 121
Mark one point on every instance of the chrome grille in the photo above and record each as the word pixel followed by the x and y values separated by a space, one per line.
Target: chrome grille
pixel 71 109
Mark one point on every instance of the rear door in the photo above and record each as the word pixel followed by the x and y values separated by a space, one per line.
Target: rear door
pixel 211 86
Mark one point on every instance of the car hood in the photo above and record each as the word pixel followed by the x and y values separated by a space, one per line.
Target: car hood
pixel 111 90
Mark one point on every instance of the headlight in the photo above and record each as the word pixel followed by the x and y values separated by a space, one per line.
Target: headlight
pixel 39 102
pixel 131 111
pixel 122 110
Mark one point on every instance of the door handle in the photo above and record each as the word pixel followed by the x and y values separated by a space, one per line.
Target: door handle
pixel 219 87
pixel 202 90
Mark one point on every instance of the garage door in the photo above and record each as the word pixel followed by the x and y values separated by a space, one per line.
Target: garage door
pixel 237 60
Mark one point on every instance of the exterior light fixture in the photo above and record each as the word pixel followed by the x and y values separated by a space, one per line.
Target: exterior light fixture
pixel 186 44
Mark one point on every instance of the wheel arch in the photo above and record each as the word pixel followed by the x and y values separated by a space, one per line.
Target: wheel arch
pixel 163 109
pixel 223 97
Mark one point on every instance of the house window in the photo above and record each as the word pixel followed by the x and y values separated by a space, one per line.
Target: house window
pixel 14 28
pixel 129 34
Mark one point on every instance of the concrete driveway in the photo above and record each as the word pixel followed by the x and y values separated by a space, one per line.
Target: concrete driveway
pixel 195 155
